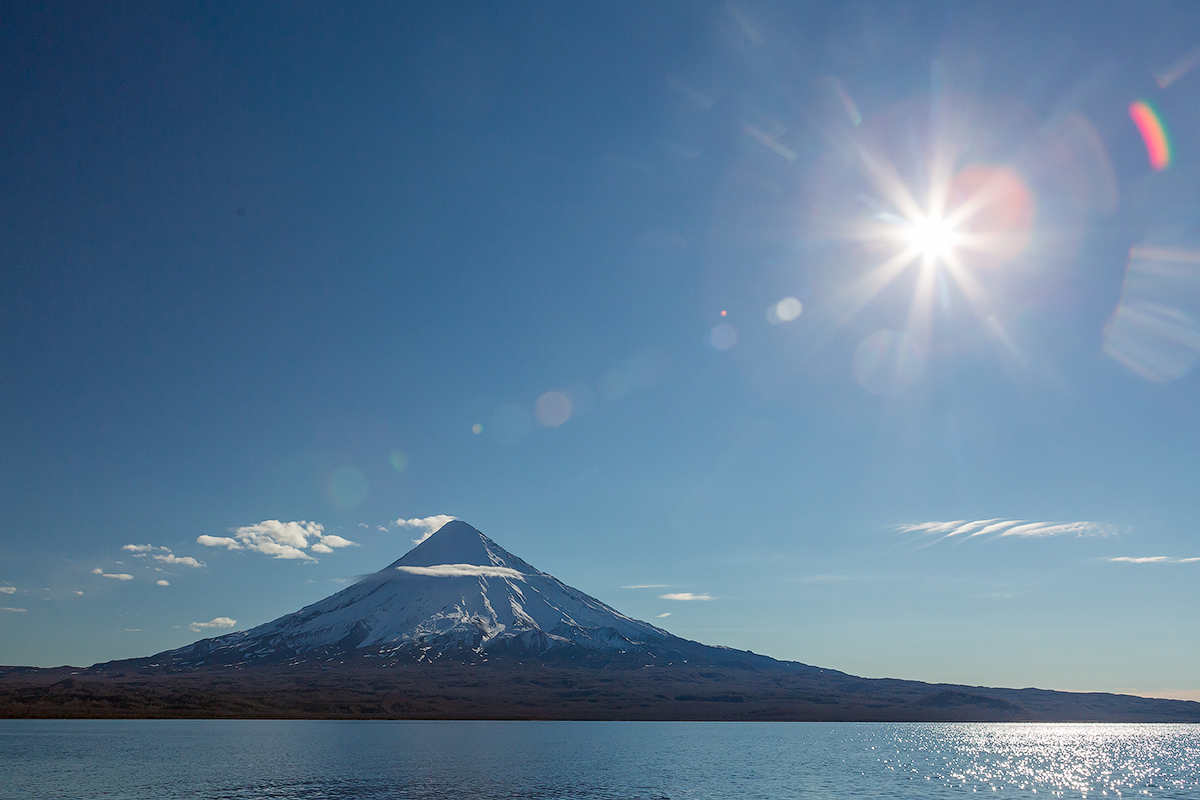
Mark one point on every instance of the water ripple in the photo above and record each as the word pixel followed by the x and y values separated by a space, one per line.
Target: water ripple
pixel 310 760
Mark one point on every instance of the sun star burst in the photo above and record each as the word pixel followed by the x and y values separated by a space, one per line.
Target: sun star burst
pixel 933 238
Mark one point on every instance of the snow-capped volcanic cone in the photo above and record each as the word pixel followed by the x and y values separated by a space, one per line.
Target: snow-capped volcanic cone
pixel 457 590
pixel 462 629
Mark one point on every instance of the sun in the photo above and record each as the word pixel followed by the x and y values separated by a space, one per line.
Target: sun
pixel 972 220
pixel 934 238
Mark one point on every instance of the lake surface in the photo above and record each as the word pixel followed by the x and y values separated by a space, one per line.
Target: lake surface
pixel 328 759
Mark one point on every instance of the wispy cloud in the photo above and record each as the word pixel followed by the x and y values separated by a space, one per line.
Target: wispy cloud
pixel 14 610
pixel 8 590
pixel 120 576
pixel 463 571
pixel 647 586
pixel 1154 560
pixel 217 622
pixel 428 525
pixel 663 615
pixel 999 527
pixel 163 583
pixel 1056 529
pixel 685 596
pixel 163 554
pixel 278 539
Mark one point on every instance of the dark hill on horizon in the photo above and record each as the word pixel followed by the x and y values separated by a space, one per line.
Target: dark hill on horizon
pixel 460 628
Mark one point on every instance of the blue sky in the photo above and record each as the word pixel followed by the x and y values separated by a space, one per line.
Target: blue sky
pixel 862 335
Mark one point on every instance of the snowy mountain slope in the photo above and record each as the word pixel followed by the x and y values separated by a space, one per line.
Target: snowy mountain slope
pixel 457 589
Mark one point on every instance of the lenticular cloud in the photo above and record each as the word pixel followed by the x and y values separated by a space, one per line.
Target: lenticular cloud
pixel 1004 527
pixel 463 571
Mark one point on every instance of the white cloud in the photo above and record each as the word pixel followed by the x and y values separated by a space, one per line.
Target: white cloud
pixel 171 558
pixel 663 615
pixel 279 539
pixel 14 610
pixel 969 529
pixel 463 571
pixel 219 541
pixel 8 590
pixel 1055 529
pixel 996 525
pixel 163 583
pixel 685 596
pixel 330 541
pixel 427 524
pixel 647 586
pixel 1154 560
pixel 142 549
pixel 120 576
pixel 333 540
pixel 79 593
pixel 218 622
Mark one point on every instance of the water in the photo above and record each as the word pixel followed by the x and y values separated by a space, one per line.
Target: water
pixel 584 760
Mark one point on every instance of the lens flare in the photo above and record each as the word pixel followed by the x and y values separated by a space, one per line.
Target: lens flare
pixel 1155 329
pixel 994 209
pixel 723 336
pixel 347 486
pixel 785 310
pixel 888 362
pixel 552 409
pixel 1158 148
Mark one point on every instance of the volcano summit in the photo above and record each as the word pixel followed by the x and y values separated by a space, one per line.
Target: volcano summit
pixel 459 628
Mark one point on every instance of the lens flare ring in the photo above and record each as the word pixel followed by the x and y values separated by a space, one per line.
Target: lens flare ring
pixel 1149 125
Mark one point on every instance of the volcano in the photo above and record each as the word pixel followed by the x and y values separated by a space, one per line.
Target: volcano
pixel 456 592
pixel 460 628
